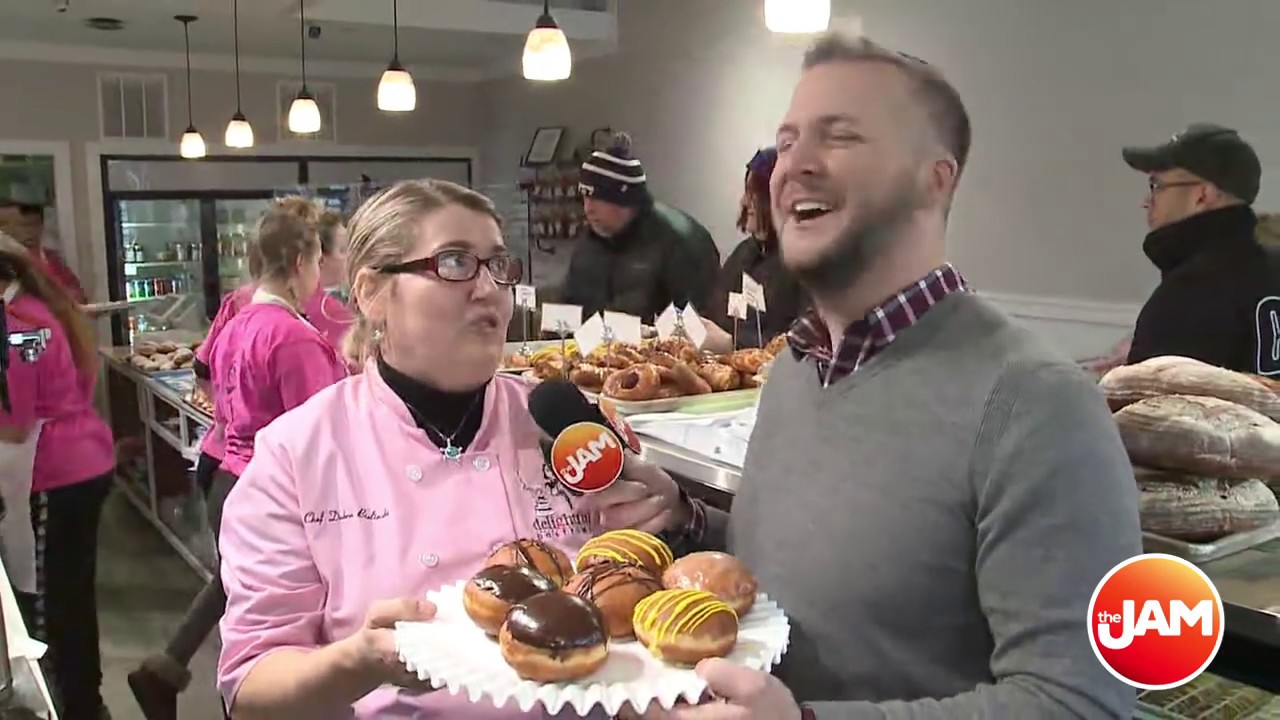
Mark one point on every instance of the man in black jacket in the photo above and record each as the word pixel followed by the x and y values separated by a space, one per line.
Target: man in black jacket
pixel 637 255
pixel 1219 295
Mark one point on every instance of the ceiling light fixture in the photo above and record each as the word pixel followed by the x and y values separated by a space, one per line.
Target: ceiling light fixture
pixel 396 92
pixel 304 112
pixel 797 16
pixel 546 51
pixel 239 132
pixel 192 144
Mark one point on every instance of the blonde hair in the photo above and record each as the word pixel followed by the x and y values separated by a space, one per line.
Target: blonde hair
pixel 288 232
pixel 329 223
pixel 17 266
pixel 383 231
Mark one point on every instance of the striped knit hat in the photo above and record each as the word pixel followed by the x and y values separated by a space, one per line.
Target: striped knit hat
pixel 614 176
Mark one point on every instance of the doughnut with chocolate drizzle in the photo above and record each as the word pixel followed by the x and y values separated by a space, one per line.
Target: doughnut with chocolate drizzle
pixel 554 637
pixel 548 560
pixel 614 588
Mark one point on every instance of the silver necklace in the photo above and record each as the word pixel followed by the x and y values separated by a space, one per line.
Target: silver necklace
pixel 451 452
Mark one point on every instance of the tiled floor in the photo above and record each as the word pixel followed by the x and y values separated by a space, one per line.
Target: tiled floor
pixel 143 591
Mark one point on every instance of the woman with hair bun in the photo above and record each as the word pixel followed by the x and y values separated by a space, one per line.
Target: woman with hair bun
pixel 265 358
pixel 391 483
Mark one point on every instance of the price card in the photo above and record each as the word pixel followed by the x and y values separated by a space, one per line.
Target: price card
pixel 694 329
pixel 526 297
pixel 737 306
pixel 668 323
pixel 753 291
pixel 561 319
pixel 624 328
pixel 590 335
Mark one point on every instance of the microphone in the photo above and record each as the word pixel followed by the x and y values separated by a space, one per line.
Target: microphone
pixel 589 441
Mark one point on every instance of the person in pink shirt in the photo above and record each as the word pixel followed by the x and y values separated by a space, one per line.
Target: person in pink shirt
pixel 261 357
pixel 74 459
pixel 391 483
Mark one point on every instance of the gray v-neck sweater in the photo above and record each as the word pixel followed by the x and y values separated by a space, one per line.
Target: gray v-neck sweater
pixel 934 525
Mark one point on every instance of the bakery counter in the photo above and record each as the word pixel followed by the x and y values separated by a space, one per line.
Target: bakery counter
pixel 1249 581
pixel 158 432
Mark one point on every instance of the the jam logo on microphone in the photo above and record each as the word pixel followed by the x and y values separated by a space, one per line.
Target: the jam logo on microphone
pixel 1268 319
pixel 620 424
pixel 1155 621
pixel 587 457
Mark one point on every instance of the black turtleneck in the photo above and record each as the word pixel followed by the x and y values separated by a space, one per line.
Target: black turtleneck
pixel 439 413
pixel 1214 275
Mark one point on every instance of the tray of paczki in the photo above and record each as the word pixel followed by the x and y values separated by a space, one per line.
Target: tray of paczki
pixel 626 627
pixel 519 357
pixel 661 375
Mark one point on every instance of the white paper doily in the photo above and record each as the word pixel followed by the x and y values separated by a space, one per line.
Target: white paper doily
pixel 455 654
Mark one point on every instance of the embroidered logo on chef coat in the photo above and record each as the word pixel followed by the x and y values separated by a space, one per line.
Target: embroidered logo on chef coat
pixel 554 517
pixel 1268 319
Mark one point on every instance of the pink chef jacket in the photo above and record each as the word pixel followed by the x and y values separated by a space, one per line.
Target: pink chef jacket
pixel 326 313
pixel 75 443
pixel 346 502
pixel 266 361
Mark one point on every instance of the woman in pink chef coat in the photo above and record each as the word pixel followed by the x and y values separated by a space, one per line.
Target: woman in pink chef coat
pixel 264 361
pixel 391 483
pixel 74 459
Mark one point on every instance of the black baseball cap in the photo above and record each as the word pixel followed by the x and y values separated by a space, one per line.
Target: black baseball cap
pixel 1214 153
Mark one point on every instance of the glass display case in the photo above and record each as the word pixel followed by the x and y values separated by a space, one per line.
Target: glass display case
pixel 159 249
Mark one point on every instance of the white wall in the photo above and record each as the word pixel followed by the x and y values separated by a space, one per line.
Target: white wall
pixel 1047 208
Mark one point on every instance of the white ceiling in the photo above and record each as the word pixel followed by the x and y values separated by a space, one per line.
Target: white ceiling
pixel 270 29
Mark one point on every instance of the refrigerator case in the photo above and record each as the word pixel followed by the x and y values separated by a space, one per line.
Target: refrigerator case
pixel 174 257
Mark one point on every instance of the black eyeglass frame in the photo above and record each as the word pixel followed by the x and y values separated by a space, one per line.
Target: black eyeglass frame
pixel 431 264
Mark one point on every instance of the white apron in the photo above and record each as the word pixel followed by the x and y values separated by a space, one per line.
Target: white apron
pixel 17 537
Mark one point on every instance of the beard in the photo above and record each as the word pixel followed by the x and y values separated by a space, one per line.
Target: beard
pixel 876 224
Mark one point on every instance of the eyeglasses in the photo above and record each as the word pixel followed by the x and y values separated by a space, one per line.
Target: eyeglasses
pixel 461 266
pixel 1154 186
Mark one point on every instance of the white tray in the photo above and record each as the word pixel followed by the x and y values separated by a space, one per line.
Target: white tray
pixel 455 654
pixel 1205 552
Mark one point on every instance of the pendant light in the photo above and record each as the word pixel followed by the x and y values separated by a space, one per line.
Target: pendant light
pixel 546 51
pixel 396 92
pixel 797 16
pixel 304 112
pixel 192 145
pixel 239 131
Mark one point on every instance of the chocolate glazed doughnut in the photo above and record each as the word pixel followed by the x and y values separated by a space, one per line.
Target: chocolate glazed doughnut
pixel 494 590
pixel 636 383
pixel 554 637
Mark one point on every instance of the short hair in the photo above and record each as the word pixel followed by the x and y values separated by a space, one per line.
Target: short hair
pixel 943 108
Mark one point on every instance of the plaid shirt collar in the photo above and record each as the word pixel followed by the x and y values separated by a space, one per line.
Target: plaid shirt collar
pixel 866 338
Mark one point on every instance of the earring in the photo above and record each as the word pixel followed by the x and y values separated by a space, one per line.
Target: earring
pixel 377 335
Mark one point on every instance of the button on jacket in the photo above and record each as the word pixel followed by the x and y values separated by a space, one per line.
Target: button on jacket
pixel 347 502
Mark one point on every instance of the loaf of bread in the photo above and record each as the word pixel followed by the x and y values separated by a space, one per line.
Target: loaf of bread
pixel 1172 375
pixel 1197 509
pixel 1201 436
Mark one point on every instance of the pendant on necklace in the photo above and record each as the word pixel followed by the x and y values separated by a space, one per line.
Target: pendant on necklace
pixel 451 452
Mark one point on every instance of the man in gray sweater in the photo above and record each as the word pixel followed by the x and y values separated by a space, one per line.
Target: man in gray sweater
pixel 930 494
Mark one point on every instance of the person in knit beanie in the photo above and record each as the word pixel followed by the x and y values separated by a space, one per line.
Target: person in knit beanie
pixel 636 255
pixel 756 256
